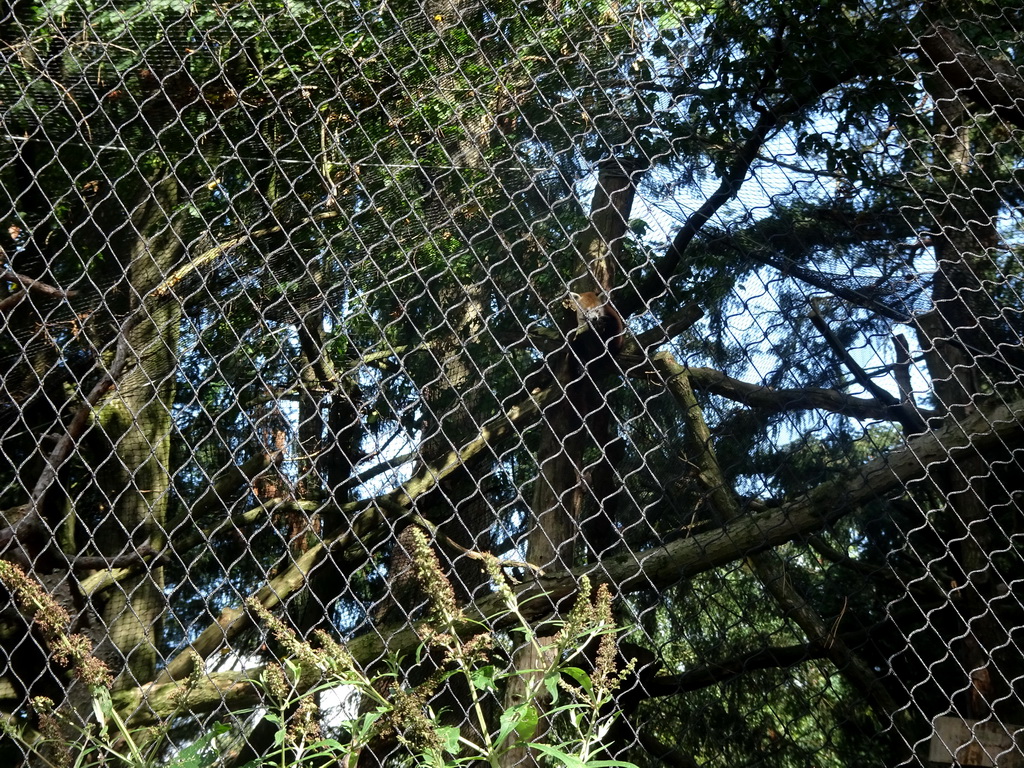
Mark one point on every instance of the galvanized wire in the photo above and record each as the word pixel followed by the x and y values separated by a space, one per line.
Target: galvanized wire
pixel 287 287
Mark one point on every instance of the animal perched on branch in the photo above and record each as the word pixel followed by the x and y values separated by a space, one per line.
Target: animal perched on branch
pixel 598 326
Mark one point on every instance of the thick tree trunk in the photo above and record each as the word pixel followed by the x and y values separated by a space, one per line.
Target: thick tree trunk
pixel 964 364
pixel 136 419
pixel 577 418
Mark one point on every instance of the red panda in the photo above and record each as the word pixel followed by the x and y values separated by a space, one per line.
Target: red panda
pixel 598 329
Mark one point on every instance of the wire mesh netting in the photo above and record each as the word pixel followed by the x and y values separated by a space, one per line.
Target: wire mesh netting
pixel 515 383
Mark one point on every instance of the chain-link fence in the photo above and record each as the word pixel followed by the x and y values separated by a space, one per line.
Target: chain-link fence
pixel 347 346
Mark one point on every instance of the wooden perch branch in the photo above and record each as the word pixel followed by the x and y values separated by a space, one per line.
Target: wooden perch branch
pixel 212 254
pixel 217 496
pixel 729 669
pixel 770 400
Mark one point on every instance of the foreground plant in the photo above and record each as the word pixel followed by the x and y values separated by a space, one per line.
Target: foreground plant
pixel 65 737
pixel 565 712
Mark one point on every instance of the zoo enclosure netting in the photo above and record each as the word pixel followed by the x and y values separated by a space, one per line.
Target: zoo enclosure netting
pixel 287 291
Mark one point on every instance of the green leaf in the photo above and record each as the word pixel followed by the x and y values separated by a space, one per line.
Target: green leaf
pixel 363 725
pixel 551 683
pixel 449 736
pixel 102 706
pixel 527 725
pixel 327 744
pixel 331 749
pixel 580 677
pixel 483 678
pixel 198 754
pixel 522 718
pixel 570 761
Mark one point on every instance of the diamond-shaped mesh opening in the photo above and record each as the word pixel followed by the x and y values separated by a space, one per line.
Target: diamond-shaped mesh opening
pixel 347 347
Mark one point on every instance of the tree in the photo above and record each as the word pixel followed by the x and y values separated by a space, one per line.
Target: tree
pixel 285 286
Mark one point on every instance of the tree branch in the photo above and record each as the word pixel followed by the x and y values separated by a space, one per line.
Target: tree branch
pixel 901 370
pixel 32 525
pixel 29 285
pixel 768 566
pixel 770 400
pixel 226 483
pixel 729 669
pixel 769 119
pixel 911 420
pixel 365 524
